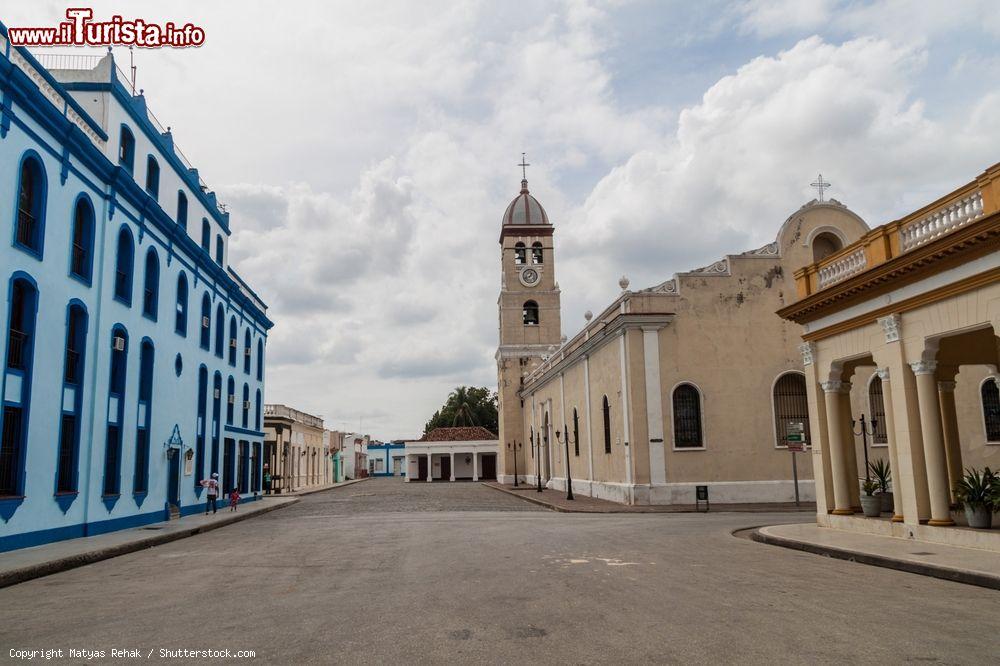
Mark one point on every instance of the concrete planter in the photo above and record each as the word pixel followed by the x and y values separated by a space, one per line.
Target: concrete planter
pixel 871 505
pixel 979 516
pixel 886 501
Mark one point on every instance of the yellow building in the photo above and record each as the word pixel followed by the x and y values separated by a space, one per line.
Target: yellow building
pixel 294 449
pixel 690 382
pixel 913 309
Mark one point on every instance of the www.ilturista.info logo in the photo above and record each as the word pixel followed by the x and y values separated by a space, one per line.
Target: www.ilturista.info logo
pixel 80 30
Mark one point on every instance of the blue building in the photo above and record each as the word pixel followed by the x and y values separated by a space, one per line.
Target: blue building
pixel 386 459
pixel 133 354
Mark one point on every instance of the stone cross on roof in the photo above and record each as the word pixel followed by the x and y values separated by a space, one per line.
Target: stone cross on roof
pixel 524 167
pixel 820 185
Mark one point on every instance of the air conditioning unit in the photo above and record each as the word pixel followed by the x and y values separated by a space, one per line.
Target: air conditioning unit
pixel 118 343
pixel 205 322
pixel 232 399
pixel 218 394
pixel 246 404
pixel 232 343
pixel 246 352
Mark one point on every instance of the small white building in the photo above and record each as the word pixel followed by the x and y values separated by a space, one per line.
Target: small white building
pixel 452 454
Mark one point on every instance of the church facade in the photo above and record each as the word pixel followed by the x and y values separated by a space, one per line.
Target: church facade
pixel 691 382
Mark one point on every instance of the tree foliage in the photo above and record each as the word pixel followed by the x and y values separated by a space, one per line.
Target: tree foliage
pixel 467 406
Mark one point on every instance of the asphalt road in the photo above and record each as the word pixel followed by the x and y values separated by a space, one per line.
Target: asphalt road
pixel 384 571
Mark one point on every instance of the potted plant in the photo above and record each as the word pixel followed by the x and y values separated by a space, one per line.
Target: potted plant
pixel 883 476
pixel 871 503
pixel 979 494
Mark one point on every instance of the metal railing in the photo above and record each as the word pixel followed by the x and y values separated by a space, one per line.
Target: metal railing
pixel 79 260
pixel 123 286
pixel 25 228
pixel 72 366
pixel 74 61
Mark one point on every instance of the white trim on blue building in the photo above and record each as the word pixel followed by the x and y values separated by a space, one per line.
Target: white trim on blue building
pixel 115 401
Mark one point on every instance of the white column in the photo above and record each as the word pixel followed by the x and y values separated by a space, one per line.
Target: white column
pixel 622 352
pixel 934 454
pixel 567 470
pixel 452 466
pixel 949 420
pixel 590 431
pixel 654 406
pixel 430 467
pixel 535 434
pixel 890 435
pixel 842 476
pixel 475 466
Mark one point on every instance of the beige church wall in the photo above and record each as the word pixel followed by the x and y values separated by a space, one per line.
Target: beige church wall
pixel 574 395
pixel 638 422
pixel 605 379
pixel 798 232
pixel 976 451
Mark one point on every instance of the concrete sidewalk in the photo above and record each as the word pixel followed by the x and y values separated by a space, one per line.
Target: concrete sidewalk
pixel 955 563
pixel 556 500
pixel 17 566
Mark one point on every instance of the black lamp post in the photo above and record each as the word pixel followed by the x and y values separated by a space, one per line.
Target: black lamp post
pixel 864 439
pixel 569 477
pixel 538 462
pixel 514 448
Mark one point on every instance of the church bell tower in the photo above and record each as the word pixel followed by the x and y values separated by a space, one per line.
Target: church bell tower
pixel 529 319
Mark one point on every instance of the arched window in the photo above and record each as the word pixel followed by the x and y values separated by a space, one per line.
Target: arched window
pixel 606 413
pixel 20 337
pixel 687 417
pixel 230 400
pixel 991 409
pixel 876 409
pixel 536 253
pixel 260 360
pixel 232 341
pixel 126 149
pixel 181 315
pixel 123 267
pixel 206 322
pixel 246 406
pixel 220 331
pixel 151 286
pixel 789 403
pixel 182 210
pixel 219 249
pixel 257 413
pixel 519 253
pixel 116 411
pixel 152 177
pixel 530 313
pixel 206 235
pixel 69 427
pixel 576 433
pixel 140 481
pixel 247 342
pixel 199 466
pixel 31 195
pixel 824 245
pixel 81 257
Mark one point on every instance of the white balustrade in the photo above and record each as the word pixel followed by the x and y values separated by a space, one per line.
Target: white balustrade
pixel 941 222
pixel 843 268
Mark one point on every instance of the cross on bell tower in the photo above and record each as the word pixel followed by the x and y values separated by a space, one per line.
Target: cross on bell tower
pixel 820 185
pixel 524 167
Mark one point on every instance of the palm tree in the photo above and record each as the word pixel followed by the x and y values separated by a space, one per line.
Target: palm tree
pixel 463 407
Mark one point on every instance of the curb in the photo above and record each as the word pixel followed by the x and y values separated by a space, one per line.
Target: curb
pixel 920 568
pixel 310 491
pixel 24 574
pixel 626 509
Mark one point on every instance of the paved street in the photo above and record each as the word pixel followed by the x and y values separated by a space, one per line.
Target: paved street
pixel 383 571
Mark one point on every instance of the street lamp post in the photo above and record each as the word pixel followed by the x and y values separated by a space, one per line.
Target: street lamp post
pixel 538 462
pixel 569 477
pixel 514 448
pixel 864 439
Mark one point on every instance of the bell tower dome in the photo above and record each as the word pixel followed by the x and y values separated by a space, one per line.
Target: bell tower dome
pixel 529 316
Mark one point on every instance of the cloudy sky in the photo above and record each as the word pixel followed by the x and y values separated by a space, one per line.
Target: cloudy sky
pixel 367 151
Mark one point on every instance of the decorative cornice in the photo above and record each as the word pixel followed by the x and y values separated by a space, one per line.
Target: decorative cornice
pixel 769 250
pixel 891 326
pixel 834 386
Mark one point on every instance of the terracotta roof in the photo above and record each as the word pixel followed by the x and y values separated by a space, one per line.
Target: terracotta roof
pixel 460 434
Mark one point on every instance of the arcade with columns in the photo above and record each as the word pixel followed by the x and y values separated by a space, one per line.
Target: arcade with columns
pixel 915 305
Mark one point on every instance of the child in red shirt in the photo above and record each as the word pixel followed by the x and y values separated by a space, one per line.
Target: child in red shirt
pixel 234 499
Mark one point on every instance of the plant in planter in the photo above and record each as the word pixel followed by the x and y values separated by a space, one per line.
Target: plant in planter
pixel 979 494
pixel 883 477
pixel 871 503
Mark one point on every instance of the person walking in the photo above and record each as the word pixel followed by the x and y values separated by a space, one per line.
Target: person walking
pixel 234 499
pixel 212 485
